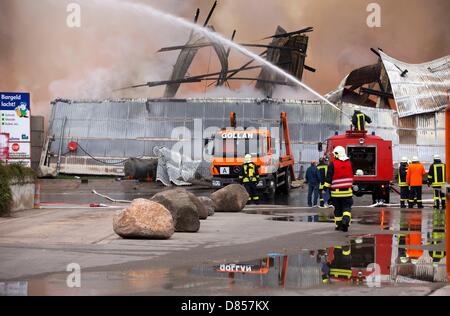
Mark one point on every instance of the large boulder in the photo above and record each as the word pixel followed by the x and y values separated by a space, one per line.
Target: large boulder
pixel 183 208
pixel 208 204
pixel 231 198
pixel 201 209
pixel 144 219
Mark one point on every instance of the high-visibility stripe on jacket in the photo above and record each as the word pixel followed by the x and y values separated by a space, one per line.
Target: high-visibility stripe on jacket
pixel 414 176
pixel 436 175
pixel 361 119
pixel 249 173
pixel 402 171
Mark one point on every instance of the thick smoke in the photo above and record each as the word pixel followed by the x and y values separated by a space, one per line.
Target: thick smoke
pixel 113 48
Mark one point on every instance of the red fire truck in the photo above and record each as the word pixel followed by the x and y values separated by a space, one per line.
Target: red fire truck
pixel 372 162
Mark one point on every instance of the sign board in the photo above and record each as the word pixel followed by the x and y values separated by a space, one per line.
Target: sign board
pixel 15 115
pixel 15 120
pixel 4 147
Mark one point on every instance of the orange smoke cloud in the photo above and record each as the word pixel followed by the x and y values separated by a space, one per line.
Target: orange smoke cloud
pixel 40 54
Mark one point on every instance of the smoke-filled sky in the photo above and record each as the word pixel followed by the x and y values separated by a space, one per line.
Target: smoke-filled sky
pixel 115 47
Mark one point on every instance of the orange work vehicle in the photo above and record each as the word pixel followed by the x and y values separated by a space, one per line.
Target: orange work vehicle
pixel 372 162
pixel 271 154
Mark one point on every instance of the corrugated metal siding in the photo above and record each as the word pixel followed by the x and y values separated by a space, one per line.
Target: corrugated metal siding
pixel 423 89
pixel 142 125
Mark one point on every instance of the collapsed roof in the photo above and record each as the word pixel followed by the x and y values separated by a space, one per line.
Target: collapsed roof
pixel 410 89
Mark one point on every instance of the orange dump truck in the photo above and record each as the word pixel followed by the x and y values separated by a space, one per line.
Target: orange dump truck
pixel 272 155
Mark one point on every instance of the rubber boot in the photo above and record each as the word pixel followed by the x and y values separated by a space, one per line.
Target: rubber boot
pixel 443 205
pixel 436 204
pixel 402 204
pixel 345 224
pixel 419 205
pixel 410 205
pixel 338 226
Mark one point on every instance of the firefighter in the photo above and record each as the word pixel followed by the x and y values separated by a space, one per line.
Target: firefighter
pixel 312 178
pixel 414 178
pixel 250 177
pixel 323 169
pixel 360 119
pixel 404 188
pixel 340 181
pixel 436 178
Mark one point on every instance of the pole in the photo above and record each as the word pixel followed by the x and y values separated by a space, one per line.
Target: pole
pixel 447 189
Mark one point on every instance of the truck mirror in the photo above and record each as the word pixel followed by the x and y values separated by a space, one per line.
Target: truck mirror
pixel 320 147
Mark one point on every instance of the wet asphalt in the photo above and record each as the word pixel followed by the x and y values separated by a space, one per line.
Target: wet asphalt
pixel 388 250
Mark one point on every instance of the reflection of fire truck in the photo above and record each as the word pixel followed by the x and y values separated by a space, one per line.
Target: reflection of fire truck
pixel 273 156
pixel 370 154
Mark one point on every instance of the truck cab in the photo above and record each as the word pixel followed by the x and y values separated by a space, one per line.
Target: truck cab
pixel 372 162
pixel 272 156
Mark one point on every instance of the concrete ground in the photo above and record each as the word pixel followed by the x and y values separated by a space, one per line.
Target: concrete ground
pixel 37 246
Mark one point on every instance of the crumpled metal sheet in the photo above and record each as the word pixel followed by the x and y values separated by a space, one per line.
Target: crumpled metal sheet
pixel 423 89
pixel 174 168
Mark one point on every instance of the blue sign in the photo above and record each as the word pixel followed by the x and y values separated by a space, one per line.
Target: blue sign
pixel 11 101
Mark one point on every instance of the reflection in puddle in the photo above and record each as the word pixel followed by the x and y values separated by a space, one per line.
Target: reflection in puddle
pixel 365 260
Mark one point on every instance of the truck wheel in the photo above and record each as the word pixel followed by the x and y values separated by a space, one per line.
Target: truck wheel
pixel 272 192
pixel 287 182
pixel 381 194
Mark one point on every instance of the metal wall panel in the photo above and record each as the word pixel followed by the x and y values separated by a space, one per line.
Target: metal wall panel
pixel 127 128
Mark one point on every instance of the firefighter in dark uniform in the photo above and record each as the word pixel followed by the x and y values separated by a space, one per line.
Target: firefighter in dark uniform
pixel 323 170
pixel 436 178
pixel 340 181
pixel 249 178
pixel 359 120
pixel 341 266
pixel 404 187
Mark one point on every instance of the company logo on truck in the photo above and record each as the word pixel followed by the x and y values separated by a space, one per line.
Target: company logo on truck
pixel 234 135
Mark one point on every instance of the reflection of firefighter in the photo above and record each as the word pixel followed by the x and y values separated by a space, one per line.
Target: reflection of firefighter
pixel 341 266
pixel 436 178
pixel 438 234
pixel 250 178
pixel 340 181
pixel 410 242
pixel 323 170
pixel 414 178
pixel 404 188
pixel 322 259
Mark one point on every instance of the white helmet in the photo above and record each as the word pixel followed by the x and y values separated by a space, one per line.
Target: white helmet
pixel 415 159
pixel 339 153
pixel 248 158
pixel 357 108
pixel 404 159
pixel 437 157
pixel 359 173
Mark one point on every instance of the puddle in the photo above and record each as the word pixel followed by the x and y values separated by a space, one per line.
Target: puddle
pixel 366 260
pixel 369 260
